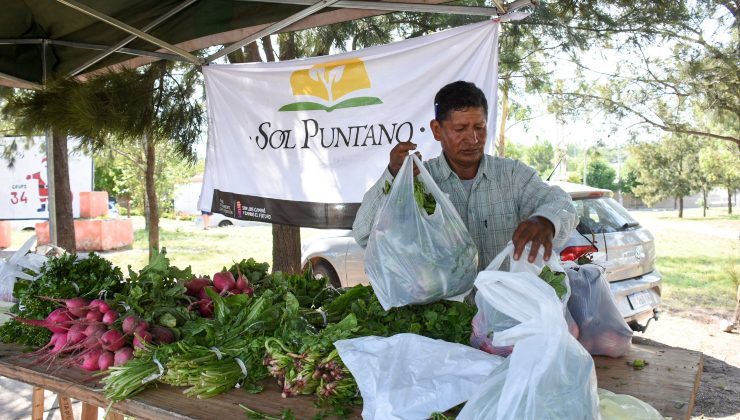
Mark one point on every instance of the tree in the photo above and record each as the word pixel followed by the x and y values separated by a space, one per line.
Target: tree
pixel 691 73
pixel 719 161
pixel 668 168
pixel 540 156
pixel 601 175
pixel 33 112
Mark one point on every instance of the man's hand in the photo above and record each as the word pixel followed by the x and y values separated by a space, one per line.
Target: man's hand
pixel 398 155
pixel 537 230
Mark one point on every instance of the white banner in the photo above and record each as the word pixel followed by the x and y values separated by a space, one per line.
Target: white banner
pixel 24 188
pixel 299 142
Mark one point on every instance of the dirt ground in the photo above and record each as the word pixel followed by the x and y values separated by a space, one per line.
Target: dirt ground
pixel 719 390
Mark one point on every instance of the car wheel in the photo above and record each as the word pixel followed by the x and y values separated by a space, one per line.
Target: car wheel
pixel 322 269
pixel 224 223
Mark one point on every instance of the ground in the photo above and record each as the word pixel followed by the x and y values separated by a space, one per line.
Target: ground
pixel 719 390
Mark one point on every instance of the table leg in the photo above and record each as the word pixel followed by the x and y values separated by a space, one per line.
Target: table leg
pixel 65 408
pixel 114 416
pixel 89 412
pixel 37 401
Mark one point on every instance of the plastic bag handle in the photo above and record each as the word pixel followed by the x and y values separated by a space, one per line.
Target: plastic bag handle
pixel 499 259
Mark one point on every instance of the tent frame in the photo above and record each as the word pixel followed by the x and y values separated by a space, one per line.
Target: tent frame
pixel 179 54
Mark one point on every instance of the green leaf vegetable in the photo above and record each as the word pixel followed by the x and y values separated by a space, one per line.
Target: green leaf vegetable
pixel 555 279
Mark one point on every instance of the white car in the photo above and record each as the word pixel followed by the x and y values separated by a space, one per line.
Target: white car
pixel 606 231
pixel 219 220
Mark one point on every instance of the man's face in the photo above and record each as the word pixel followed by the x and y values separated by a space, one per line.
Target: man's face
pixel 462 136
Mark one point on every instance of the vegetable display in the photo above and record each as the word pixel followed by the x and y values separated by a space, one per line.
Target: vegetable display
pixel 424 199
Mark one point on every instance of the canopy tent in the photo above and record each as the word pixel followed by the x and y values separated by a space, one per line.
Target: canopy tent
pixel 67 38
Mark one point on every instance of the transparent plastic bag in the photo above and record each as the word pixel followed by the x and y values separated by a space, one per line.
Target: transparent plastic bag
pixel 488 321
pixel 412 257
pixel 625 407
pixel 548 374
pixel 603 330
pixel 408 376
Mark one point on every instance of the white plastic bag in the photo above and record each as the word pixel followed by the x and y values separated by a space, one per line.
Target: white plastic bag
pixel 603 330
pixel 14 268
pixel 412 257
pixel 489 320
pixel 408 376
pixel 548 374
pixel 625 407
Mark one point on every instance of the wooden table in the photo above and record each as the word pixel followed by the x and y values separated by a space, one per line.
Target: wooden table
pixel 669 383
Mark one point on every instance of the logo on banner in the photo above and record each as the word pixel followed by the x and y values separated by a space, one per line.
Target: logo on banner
pixel 331 82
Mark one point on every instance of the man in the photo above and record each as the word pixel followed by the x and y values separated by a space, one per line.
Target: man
pixel 498 199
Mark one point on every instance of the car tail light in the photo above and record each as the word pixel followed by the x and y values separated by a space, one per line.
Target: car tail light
pixel 572 253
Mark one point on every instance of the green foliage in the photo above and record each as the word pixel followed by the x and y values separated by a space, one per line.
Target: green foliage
pixel 515 151
pixel 719 161
pixel 668 168
pixel 600 174
pixel 540 156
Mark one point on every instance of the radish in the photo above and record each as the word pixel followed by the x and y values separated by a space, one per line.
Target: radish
pixel 123 355
pixel 89 360
pixel 140 339
pixel 77 306
pixel 94 316
pixel 76 334
pixel 203 295
pixel 223 281
pixel 162 335
pixel 205 307
pixel 112 340
pixel 129 324
pixel 194 286
pixel 110 317
pixel 248 291
pixel 242 282
pixel 58 321
pixel 94 330
pixel 100 305
pixel 105 360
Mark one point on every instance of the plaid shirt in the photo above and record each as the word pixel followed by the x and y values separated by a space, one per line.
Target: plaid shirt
pixel 505 192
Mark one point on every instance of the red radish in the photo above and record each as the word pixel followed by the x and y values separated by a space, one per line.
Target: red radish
pixel 248 291
pixel 205 307
pixel 123 355
pixel 223 281
pixel 94 329
pixel 94 316
pixel 58 321
pixel 203 295
pixel 89 360
pixel 140 339
pixel 194 286
pixel 242 282
pixel 105 360
pixel 76 334
pixel 235 290
pixel 162 335
pixel 110 317
pixel 100 305
pixel 77 306
pixel 129 324
pixel 112 340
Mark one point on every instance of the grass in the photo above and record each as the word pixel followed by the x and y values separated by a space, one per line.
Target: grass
pixel 698 257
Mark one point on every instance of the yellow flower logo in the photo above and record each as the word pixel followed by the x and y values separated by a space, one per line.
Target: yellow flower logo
pixel 330 82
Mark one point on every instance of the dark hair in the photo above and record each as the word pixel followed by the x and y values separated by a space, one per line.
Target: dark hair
pixel 457 96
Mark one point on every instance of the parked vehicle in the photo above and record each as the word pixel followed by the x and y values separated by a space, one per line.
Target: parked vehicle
pixel 606 233
pixel 219 220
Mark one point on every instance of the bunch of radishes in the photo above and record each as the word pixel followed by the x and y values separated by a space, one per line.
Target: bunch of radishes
pixel 223 284
pixel 87 334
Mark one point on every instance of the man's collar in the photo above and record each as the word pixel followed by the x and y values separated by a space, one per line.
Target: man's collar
pixel 483 167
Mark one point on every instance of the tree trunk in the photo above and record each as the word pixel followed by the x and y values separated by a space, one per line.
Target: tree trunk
pixel 501 145
pixel 729 201
pixel 63 193
pixel 705 205
pixel 269 50
pixel 151 195
pixel 680 208
pixel 286 249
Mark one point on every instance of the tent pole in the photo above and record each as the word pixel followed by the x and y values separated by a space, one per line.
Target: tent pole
pixel 51 197
pixel 128 39
pixel 272 28
pixel 20 81
pixel 412 7
pixel 131 51
pixel 130 29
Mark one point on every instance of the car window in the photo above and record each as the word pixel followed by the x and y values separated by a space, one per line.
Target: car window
pixel 602 215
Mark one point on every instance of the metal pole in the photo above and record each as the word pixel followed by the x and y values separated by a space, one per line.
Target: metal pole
pixel 130 29
pixel 398 7
pixel 51 183
pixel 271 29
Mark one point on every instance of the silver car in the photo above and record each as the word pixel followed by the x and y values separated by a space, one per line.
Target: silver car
pixel 606 233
